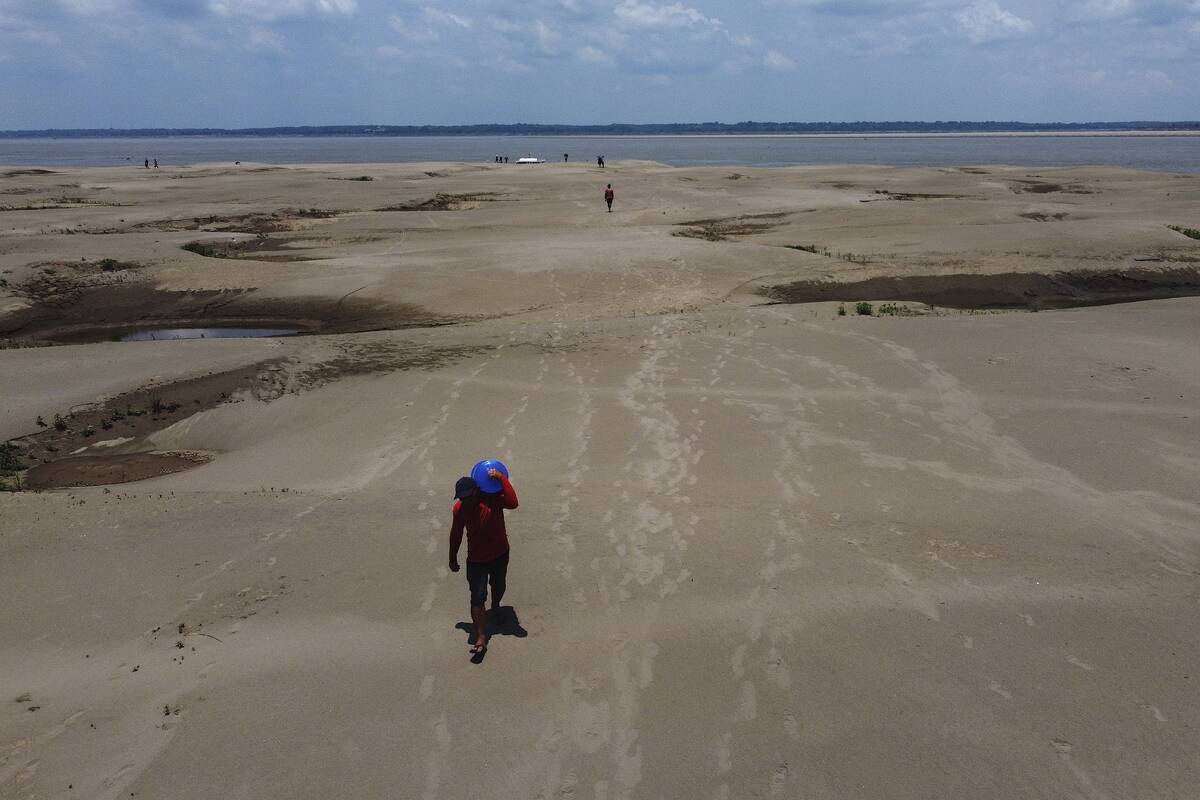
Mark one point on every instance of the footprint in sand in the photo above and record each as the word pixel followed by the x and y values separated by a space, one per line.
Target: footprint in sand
pixel 724 754
pixel 738 661
pixel 1158 715
pixel 747 703
pixel 779 779
pixel 791 726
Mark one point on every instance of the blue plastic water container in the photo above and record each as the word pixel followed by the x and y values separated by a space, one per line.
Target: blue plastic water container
pixel 479 474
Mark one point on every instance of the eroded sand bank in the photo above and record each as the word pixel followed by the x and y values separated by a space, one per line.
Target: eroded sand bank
pixel 762 549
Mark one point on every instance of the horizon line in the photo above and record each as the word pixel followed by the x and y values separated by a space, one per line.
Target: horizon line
pixel 898 126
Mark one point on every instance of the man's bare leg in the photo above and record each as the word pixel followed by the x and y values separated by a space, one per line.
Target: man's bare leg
pixel 479 617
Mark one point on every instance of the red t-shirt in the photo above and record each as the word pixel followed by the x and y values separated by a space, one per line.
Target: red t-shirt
pixel 486 537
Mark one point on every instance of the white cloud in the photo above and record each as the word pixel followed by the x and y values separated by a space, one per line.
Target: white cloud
pixel 269 10
pixel 676 15
pixel 1106 9
pixel 265 39
pixel 436 15
pixel 778 62
pixel 89 7
pixel 1153 80
pixel 592 55
pixel 413 33
pixel 547 37
pixel 1130 83
pixel 986 21
pixel 510 65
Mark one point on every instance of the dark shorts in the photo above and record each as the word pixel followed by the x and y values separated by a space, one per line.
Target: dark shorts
pixel 481 574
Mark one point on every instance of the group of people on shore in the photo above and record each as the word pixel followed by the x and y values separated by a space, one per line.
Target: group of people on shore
pixel 609 194
pixel 504 160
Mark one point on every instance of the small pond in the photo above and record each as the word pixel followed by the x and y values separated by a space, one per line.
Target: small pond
pixel 159 334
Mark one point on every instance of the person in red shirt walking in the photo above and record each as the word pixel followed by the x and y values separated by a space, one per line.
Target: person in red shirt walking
pixel 482 517
pixel 608 197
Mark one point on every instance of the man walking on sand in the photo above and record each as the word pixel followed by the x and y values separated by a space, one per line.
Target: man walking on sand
pixel 608 197
pixel 482 516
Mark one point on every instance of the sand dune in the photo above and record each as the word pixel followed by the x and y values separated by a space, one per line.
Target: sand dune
pixel 762 549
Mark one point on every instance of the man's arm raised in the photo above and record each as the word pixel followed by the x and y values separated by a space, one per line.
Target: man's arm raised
pixel 509 494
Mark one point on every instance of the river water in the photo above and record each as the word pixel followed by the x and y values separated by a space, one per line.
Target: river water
pixel 1149 152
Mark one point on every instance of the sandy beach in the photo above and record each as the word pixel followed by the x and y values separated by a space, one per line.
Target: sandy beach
pixel 767 545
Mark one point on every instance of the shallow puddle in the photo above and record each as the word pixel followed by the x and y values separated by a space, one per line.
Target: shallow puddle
pixel 159 334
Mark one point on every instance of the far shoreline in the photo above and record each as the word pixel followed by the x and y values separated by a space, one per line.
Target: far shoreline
pixel 865 135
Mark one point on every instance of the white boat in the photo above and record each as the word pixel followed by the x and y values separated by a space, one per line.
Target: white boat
pixel 531 160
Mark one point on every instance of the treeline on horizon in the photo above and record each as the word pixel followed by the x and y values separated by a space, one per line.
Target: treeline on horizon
pixel 616 129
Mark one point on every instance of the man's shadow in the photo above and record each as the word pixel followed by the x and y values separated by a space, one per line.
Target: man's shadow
pixel 501 622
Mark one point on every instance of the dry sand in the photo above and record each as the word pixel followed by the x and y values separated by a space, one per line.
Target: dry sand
pixel 762 549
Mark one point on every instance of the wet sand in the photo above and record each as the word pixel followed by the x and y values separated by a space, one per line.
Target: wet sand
pixel 763 549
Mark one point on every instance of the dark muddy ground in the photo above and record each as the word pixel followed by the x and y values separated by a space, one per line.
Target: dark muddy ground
pixel 110 469
pixel 719 230
pixel 445 202
pixel 49 454
pixel 1011 290
pixel 77 312
pixel 260 248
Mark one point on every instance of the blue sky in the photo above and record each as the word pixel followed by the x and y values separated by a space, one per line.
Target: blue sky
pixel 237 63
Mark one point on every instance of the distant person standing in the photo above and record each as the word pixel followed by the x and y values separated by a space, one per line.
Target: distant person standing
pixel 608 197
pixel 565 158
pixel 147 163
pixel 600 161
pixel 156 163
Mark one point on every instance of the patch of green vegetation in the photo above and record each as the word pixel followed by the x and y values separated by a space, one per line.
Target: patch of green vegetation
pixel 810 248
pixel 60 424
pixel 893 310
pixel 361 178
pixel 815 249
pixel 203 249
pixel 111 265
pixel 1191 233
pixel 11 466
pixel 10 458
pixel 863 309
pixel 841 309
pixel 17 344
pixel 159 406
